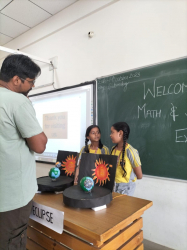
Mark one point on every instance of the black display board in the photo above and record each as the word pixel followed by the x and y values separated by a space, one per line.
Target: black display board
pixel 68 162
pixel 101 168
pixel 153 101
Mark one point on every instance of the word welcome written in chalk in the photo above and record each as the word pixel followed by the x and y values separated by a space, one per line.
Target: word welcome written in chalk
pixel 172 89
pixel 47 216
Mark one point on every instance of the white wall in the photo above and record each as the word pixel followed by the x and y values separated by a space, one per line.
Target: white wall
pixel 128 34
pixel 166 221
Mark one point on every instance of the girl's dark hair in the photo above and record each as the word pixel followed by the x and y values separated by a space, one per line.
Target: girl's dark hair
pixel 126 131
pixel 19 65
pixel 87 134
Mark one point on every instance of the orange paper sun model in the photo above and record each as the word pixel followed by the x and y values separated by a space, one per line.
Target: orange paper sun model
pixel 101 172
pixel 69 165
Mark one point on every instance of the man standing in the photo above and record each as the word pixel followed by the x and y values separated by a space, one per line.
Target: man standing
pixel 20 136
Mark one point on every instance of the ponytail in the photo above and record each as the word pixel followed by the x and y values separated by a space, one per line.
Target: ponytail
pixel 122 163
pixel 126 131
pixel 86 146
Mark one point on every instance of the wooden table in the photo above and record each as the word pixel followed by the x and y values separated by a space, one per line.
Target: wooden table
pixel 117 227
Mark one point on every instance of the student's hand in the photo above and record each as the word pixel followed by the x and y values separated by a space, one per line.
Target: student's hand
pixel 76 180
pixel 76 175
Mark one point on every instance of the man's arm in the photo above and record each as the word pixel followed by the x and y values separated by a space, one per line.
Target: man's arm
pixel 37 143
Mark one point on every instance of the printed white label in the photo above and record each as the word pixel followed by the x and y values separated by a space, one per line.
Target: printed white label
pixel 47 216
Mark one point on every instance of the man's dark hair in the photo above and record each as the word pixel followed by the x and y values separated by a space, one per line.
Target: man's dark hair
pixel 18 65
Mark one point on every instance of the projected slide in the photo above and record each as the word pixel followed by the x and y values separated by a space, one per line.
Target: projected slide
pixel 64 116
pixel 55 125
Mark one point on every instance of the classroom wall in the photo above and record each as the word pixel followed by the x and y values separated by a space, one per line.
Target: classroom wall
pixel 127 34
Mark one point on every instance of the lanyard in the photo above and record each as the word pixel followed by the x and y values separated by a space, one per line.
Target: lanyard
pixel 95 150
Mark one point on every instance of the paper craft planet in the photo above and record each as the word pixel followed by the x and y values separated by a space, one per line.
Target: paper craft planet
pixel 54 173
pixel 58 164
pixel 86 183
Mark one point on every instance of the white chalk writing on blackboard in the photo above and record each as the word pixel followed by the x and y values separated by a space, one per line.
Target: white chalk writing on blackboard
pixel 163 90
pixel 181 135
pixel 115 79
pixel 149 113
pixel 173 110
pixel 113 86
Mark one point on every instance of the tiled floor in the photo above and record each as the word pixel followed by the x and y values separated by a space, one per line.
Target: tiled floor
pixel 148 245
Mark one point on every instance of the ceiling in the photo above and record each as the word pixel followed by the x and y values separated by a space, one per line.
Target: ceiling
pixel 18 16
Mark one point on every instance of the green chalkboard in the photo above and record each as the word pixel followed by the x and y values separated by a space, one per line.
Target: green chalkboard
pixel 153 101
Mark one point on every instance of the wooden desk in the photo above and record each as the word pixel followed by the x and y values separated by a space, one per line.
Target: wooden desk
pixel 117 227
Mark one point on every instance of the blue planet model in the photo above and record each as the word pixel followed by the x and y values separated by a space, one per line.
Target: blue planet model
pixel 58 164
pixel 86 183
pixel 54 173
